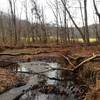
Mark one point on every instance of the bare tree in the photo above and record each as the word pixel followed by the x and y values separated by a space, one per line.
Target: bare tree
pixel 66 30
pixel 55 9
pixel 43 26
pixel 2 28
pixel 39 13
pixel 12 4
pixel 96 10
pixel 19 28
pixel 98 15
pixel 81 33
pixel 32 27
pixel 86 22
pixel 85 35
pixel 96 30
pixel 9 29
pixel 57 23
pixel 80 7
pixel 28 28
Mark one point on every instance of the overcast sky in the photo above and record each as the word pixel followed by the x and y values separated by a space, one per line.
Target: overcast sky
pixel 4 6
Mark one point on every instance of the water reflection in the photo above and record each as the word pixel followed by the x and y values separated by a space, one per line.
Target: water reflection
pixel 73 91
pixel 46 89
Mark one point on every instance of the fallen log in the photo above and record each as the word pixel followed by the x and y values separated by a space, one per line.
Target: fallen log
pixel 17 54
pixel 77 67
pixel 27 53
pixel 85 61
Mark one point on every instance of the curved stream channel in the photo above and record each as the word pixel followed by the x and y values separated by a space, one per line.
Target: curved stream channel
pixel 71 89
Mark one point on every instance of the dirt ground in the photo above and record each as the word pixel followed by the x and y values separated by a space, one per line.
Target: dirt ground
pixel 7 80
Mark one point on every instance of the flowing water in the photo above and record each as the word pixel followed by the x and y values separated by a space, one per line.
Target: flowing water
pixel 28 68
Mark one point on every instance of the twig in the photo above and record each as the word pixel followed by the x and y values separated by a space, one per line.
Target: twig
pixel 71 57
pixel 68 60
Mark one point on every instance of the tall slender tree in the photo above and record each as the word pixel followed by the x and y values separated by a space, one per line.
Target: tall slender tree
pixel 77 27
pixel 86 22
pixel 98 15
pixel 12 4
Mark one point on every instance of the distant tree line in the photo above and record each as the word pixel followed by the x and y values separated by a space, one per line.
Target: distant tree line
pixel 15 31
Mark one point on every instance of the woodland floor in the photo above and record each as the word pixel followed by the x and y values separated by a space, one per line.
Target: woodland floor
pixel 9 79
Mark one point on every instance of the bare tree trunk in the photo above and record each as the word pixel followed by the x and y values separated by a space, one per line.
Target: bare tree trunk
pixel 40 18
pixel 56 14
pixel 67 37
pixel 80 4
pixel 32 30
pixel 27 22
pixel 2 28
pixel 98 15
pixel 57 23
pixel 12 4
pixel 96 10
pixel 86 22
pixel 19 29
pixel 43 26
pixel 97 35
pixel 10 30
pixel 96 30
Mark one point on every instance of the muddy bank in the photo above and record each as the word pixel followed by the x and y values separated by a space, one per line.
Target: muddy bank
pixel 8 80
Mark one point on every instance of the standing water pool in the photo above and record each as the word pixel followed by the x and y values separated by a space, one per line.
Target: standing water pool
pixel 43 84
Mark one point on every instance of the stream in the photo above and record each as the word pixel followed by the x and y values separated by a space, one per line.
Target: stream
pixel 73 91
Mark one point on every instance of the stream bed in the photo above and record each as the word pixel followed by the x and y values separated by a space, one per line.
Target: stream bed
pixel 44 85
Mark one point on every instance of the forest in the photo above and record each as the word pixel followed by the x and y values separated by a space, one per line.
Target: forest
pixel 49 50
